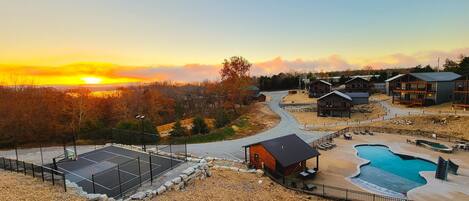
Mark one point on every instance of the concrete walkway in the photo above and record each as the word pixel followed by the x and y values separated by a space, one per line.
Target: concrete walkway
pixel 232 149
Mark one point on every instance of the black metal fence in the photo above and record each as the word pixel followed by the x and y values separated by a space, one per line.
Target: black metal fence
pixel 126 177
pixel 46 174
pixel 326 191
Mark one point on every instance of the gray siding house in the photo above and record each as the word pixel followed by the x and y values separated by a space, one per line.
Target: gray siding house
pixel 423 89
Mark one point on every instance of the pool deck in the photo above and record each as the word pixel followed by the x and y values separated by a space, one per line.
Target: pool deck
pixel 336 166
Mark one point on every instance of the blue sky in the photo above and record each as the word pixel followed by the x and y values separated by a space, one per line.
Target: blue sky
pixel 177 33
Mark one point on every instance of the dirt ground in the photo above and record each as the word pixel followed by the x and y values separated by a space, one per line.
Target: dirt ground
pixel 456 125
pixel 15 186
pixel 259 118
pixel 379 97
pixel 301 98
pixel 311 118
pixel 444 108
pixel 336 165
pixel 229 185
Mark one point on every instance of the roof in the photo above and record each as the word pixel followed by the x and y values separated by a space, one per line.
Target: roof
pixel 394 77
pixel 356 78
pixel 357 94
pixel 337 93
pixel 325 82
pixel 436 76
pixel 289 149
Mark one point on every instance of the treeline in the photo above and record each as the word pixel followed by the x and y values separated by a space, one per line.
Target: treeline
pixel 33 114
pixel 285 81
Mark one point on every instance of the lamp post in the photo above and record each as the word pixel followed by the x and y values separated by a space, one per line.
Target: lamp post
pixel 141 118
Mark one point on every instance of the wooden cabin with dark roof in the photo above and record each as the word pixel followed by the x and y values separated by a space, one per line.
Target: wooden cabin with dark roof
pixel 318 88
pixel 358 84
pixel 334 104
pixel 461 92
pixel 282 156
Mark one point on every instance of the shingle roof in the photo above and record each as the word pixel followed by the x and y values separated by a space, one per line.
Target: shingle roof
pixel 289 149
pixel 395 77
pixel 436 76
pixel 337 93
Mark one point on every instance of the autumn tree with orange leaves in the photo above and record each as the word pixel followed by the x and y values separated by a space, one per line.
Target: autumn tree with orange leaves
pixel 235 81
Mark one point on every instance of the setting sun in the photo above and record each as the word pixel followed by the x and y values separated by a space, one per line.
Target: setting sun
pixel 91 80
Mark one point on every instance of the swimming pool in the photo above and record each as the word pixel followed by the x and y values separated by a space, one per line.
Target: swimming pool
pixel 394 172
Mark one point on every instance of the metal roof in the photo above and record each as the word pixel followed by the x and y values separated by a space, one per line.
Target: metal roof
pixel 394 77
pixel 436 76
pixel 337 93
pixel 325 82
pixel 358 94
pixel 356 78
pixel 289 149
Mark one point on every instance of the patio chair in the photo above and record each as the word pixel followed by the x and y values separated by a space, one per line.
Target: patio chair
pixel 310 187
pixel 322 147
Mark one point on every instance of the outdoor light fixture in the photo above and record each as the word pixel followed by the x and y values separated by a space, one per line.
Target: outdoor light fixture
pixel 141 117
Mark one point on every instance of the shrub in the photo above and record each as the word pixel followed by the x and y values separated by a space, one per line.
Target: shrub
pixel 199 126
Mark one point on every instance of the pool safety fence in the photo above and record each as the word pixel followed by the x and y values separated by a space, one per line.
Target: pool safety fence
pixel 44 173
pixel 326 191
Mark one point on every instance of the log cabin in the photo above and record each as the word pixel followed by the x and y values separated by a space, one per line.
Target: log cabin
pixel 283 155
pixel 318 88
pixel 335 104
pixel 358 84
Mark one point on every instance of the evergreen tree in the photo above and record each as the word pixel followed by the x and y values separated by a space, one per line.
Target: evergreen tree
pixel 221 119
pixel 199 126
pixel 178 130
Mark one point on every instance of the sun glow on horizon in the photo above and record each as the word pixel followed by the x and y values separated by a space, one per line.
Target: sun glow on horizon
pixel 92 80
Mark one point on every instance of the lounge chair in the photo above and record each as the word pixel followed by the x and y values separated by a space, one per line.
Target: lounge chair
pixel 310 187
pixel 322 147
pixel 355 132
pixel 371 133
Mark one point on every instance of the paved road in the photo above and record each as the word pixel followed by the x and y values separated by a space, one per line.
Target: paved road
pixel 233 148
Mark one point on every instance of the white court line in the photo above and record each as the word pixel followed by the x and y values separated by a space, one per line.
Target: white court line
pixel 131 158
pixel 85 178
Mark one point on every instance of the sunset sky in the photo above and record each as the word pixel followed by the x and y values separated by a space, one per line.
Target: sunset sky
pixel 118 41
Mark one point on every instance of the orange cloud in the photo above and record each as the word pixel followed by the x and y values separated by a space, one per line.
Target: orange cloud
pixel 73 74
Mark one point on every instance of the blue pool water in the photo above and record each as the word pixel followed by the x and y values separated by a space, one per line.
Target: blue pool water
pixel 399 173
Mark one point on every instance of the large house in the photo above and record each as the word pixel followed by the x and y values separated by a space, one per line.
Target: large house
pixel 358 84
pixel 336 104
pixel 391 83
pixel 423 89
pixel 283 155
pixel 318 88
pixel 461 92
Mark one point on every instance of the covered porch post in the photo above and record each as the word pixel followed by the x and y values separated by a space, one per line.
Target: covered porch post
pixel 317 163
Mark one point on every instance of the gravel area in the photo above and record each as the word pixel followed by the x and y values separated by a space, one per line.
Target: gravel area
pixel 15 186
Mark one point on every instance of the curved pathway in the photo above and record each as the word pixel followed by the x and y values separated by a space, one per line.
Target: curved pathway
pixel 232 149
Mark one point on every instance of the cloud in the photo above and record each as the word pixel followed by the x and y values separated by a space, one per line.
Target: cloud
pixel 113 73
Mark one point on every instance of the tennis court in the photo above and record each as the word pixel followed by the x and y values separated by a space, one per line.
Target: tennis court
pixel 115 171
